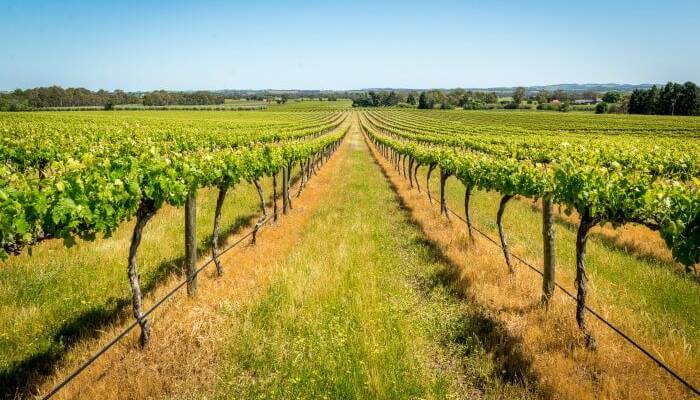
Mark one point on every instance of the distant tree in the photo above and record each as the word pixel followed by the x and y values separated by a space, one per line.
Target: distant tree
pixel 490 98
pixel 689 100
pixel 456 96
pixel 669 96
pixel 411 99
pixel 108 106
pixel 650 99
pixel 375 99
pixel 612 97
pixel 601 108
pixel 542 97
pixel 362 101
pixel 589 95
pixel 636 102
pixel 519 95
pixel 436 97
pixel 424 102
pixel 559 95
pixel 390 99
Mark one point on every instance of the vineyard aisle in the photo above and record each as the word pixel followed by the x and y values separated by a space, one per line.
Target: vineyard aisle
pixel 344 299
pixel 363 308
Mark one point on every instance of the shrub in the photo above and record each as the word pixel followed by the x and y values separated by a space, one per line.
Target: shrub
pixel 548 106
pixel 601 108
pixel 616 109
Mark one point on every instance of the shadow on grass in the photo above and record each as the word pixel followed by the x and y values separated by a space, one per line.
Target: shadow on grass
pixel 21 379
pixel 476 326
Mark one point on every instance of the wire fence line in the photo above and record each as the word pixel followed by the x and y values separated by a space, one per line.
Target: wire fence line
pixel 599 317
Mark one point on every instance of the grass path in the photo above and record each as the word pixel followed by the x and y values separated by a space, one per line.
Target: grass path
pixel 362 308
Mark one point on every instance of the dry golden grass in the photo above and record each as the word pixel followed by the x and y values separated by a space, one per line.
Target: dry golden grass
pixel 187 332
pixel 549 340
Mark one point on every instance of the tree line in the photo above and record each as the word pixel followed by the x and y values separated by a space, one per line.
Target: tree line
pixel 56 96
pixel 165 98
pixel 672 99
pixel 436 98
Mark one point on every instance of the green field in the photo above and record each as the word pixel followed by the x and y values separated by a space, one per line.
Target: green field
pixel 312 105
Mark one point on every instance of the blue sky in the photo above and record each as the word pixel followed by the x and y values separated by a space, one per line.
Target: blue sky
pixel 144 45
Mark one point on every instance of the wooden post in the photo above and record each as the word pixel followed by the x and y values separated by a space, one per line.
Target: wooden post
pixel 191 242
pixel 550 262
pixel 274 197
pixel 289 182
pixel 285 188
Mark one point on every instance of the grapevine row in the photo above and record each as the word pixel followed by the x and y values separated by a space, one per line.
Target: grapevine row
pixel 618 195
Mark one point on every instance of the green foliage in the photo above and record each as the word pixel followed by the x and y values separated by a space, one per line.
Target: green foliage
pixel 614 179
pixel 612 97
pixel 424 103
pixel 376 99
pixel 519 95
pixel 411 99
pixel 672 99
pixel 601 108
pixel 165 98
pixel 63 179
pixel 56 96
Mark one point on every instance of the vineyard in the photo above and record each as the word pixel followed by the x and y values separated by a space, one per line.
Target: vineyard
pixel 77 186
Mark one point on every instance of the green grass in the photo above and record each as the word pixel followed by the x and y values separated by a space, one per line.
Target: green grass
pixel 622 285
pixel 55 295
pixel 363 308
pixel 311 105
